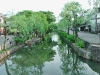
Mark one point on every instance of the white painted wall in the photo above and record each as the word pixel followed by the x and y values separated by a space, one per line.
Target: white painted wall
pixel 98 20
pixel 98 15
pixel 93 22
pixel 2 20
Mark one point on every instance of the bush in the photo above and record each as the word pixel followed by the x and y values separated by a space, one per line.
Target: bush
pixel 80 43
pixel 72 38
pixel 62 34
pixel 18 40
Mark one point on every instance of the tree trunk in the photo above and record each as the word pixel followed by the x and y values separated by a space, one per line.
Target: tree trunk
pixel 68 30
pixel 5 39
pixel 76 32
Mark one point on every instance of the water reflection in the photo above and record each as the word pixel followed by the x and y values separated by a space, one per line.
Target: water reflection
pixel 26 62
pixel 54 37
pixel 71 63
pixel 48 59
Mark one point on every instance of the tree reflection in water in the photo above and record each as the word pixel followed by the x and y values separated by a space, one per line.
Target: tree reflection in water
pixel 30 61
pixel 71 65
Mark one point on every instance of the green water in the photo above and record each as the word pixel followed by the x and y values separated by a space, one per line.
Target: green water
pixel 48 59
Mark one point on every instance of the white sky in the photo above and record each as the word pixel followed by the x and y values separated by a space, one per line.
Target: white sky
pixel 8 6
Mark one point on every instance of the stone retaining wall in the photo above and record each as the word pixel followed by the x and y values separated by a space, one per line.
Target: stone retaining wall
pixel 91 52
pixel 8 44
pixel 10 51
pixel 82 52
pixel 95 52
pixel 15 48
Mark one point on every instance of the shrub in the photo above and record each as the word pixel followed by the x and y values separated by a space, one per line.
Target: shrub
pixel 18 40
pixel 72 38
pixel 80 43
pixel 63 34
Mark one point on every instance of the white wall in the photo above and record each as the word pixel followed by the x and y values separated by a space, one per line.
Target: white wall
pixel 98 15
pixel 2 20
pixel 98 20
pixel 93 22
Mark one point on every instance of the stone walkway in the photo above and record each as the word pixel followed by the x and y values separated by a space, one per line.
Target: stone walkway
pixel 9 42
pixel 91 38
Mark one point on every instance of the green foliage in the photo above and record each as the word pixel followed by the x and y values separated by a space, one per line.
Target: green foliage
pixel 62 34
pixel 52 28
pixel 79 54
pixel 80 43
pixel 72 38
pixel 27 13
pixel 19 40
pixel 73 10
pixel 27 22
pixel 32 57
pixel 94 3
pixel 50 16
pixel 63 24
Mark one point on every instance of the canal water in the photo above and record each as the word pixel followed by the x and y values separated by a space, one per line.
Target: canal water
pixel 48 58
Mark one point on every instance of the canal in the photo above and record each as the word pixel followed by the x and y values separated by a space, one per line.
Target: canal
pixel 51 57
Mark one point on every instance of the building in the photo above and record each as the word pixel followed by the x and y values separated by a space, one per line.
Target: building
pixel 95 22
pixel 94 26
pixel 2 16
pixel 2 30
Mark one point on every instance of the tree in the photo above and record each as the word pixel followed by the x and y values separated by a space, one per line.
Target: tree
pixel 66 14
pixel 27 13
pixel 74 10
pixel 28 22
pixel 50 17
pixel 94 3
pixel 62 24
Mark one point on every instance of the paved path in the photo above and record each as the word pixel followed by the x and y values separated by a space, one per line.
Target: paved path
pixel 9 42
pixel 91 38
pixel 2 38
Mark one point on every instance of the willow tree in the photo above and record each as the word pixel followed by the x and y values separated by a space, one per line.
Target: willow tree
pixel 50 16
pixel 66 16
pixel 28 22
pixel 40 23
pixel 73 10
pixel 63 24
pixel 94 3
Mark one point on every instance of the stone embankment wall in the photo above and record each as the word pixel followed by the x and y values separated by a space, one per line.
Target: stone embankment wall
pixel 83 52
pixel 92 51
pixel 95 51
pixel 15 48
pixel 10 51
pixel 9 42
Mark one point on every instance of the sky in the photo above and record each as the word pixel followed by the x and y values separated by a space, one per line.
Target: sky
pixel 14 6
